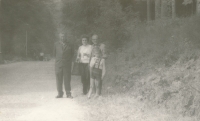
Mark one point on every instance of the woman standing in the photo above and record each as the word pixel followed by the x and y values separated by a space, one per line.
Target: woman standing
pixel 83 57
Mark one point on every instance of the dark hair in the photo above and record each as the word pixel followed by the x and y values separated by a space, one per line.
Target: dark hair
pixel 85 36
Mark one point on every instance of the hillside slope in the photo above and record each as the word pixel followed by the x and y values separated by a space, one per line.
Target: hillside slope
pixel 160 66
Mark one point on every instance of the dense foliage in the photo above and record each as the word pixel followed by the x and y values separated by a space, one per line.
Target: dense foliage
pixel 106 18
pixel 21 16
pixel 157 61
pixel 41 20
pixel 36 20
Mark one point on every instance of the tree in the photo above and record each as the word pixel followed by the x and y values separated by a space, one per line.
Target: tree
pixel 197 6
pixel 163 8
pixel 148 10
pixel 173 9
pixel 157 9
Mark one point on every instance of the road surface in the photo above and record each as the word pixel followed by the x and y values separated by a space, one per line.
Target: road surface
pixel 28 90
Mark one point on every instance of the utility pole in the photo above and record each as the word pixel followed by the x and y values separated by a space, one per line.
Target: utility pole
pixel 27 26
pixel 1 58
pixel 26 43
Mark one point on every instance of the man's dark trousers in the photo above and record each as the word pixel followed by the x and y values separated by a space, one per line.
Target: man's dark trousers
pixel 100 86
pixel 64 74
pixel 85 76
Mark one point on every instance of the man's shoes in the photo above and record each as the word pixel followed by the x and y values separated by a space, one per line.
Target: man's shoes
pixel 59 96
pixel 84 93
pixel 96 96
pixel 69 96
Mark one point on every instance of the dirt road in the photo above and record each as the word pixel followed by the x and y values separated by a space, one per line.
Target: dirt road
pixel 27 93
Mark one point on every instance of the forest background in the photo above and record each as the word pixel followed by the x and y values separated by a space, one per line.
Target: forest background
pixel 153 45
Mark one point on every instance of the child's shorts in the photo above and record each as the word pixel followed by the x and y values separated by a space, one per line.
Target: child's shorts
pixel 96 74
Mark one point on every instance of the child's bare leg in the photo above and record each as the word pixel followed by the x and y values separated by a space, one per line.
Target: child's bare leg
pixel 92 83
pixel 97 87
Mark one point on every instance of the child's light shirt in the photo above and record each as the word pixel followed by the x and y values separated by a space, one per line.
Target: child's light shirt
pixel 85 52
pixel 95 62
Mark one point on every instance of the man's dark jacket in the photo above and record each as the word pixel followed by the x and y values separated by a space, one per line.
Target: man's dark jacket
pixel 63 55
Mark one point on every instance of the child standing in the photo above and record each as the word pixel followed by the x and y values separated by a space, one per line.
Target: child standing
pixel 97 72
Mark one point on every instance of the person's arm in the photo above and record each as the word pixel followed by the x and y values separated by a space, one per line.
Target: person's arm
pixel 78 55
pixel 90 71
pixel 54 50
pixel 91 65
pixel 91 53
pixel 72 57
pixel 103 69
pixel 72 52
pixel 103 50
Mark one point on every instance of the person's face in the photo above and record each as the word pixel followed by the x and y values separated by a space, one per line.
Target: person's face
pixel 84 41
pixel 61 37
pixel 96 54
pixel 95 39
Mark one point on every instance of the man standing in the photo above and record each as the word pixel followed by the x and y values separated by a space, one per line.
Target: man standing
pixel 97 44
pixel 63 52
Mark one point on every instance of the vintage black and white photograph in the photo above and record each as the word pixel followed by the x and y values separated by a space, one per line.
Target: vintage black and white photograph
pixel 99 60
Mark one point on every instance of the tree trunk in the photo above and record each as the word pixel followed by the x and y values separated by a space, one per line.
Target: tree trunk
pixel 148 10
pixel 173 9
pixel 197 6
pixel 157 9
pixel 163 8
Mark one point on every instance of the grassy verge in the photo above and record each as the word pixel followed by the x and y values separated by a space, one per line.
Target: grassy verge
pixel 123 107
pixel 157 71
